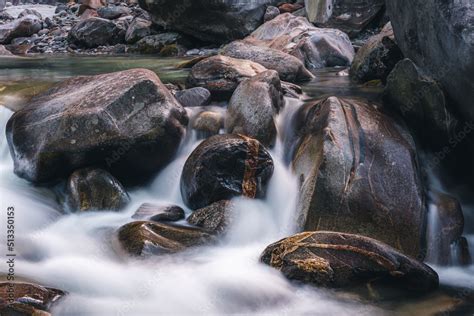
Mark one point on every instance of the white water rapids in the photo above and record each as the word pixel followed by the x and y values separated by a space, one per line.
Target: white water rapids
pixel 72 252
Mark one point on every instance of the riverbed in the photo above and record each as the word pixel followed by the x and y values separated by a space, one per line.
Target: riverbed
pixel 72 251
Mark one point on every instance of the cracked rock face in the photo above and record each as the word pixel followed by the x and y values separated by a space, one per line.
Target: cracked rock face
pixel 126 122
pixel 340 260
pixel 223 167
pixel 358 174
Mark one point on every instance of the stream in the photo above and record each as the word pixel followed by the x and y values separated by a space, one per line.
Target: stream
pixel 72 251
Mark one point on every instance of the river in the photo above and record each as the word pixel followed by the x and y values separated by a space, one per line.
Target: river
pixel 72 251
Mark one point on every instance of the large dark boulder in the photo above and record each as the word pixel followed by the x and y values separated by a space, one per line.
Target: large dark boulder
pixel 225 166
pixel 315 47
pixel 93 189
pixel 221 74
pixel 347 15
pixel 358 174
pixel 289 67
pixel 253 107
pixel 438 36
pixel 95 32
pixel 377 57
pixel 24 27
pixel 339 260
pixel 146 238
pixel 126 122
pixel 420 100
pixel 208 20
pixel 27 299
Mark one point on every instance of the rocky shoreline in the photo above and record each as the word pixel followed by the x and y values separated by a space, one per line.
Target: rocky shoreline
pixel 364 198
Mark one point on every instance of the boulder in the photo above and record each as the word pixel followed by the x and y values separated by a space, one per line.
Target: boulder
pixel 93 189
pixel 138 29
pixel 315 47
pixel 377 57
pixel 113 12
pixel 156 213
pixel 95 32
pixel 215 218
pixel 253 107
pixel 223 167
pixel 420 100
pixel 289 68
pixel 146 238
pixel 270 13
pixel 438 36
pixel 27 299
pixel 209 20
pixel 221 74
pixel 347 15
pixel 339 260
pixel 358 173
pixel 207 124
pixel 164 44
pixel 24 27
pixel 132 128
pixel 193 97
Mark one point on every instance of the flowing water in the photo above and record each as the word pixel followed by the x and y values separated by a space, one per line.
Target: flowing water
pixel 72 251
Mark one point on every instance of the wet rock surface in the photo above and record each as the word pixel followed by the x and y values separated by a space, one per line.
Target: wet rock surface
pixel 208 123
pixel 193 97
pixel 358 173
pixel 225 166
pixel 377 57
pixel 93 189
pixel 127 122
pixel 215 218
pixel 146 238
pixel 338 260
pixel 28 299
pixel 253 107
pixel 156 213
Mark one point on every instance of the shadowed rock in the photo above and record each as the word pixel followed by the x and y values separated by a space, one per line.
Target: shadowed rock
pixel 208 124
pixel 93 189
pixel 358 173
pixel 208 20
pixel 95 32
pixel 340 260
pixel 126 122
pixel 377 57
pixel 225 166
